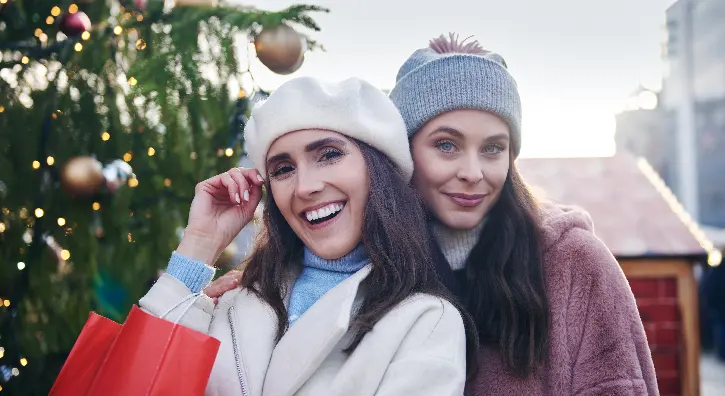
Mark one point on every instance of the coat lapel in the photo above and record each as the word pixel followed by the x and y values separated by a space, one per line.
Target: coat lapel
pixel 312 338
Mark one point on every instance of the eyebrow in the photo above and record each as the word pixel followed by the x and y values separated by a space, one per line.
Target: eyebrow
pixel 310 147
pixel 322 142
pixel 458 134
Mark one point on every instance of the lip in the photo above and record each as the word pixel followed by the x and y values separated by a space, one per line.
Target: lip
pixel 466 200
pixel 318 206
pixel 325 223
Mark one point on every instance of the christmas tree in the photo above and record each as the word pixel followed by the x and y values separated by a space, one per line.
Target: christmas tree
pixel 110 113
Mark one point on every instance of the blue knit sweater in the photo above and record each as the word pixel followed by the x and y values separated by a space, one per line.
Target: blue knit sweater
pixel 317 278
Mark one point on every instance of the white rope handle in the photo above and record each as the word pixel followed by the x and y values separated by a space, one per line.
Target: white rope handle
pixel 194 296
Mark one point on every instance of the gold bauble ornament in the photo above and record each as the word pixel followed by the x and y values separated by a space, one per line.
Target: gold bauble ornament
pixel 226 260
pixel 82 176
pixel 280 48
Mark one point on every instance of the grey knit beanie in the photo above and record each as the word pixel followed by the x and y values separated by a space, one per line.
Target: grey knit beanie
pixel 449 75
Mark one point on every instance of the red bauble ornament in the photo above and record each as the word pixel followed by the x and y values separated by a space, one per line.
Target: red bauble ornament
pixel 73 25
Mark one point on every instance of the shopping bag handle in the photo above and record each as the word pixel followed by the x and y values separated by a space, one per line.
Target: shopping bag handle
pixel 194 297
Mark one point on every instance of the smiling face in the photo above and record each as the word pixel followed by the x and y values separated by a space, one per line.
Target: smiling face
pixel 320 183
pixel 461 163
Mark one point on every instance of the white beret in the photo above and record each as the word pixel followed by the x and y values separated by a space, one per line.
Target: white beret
pixel 353 107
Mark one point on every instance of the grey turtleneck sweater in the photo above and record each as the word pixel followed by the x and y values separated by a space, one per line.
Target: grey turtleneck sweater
pixel 456 245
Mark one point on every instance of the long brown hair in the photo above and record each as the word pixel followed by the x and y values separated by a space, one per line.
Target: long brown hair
pixel 394 235
pixel 505 289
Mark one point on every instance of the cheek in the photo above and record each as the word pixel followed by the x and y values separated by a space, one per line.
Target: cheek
pixel 431 172
pixel 497 175
pixel 282 196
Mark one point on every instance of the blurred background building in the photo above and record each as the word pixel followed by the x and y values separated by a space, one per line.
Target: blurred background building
pixel 681 130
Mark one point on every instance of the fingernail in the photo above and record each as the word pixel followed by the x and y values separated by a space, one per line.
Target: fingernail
pixel 246 195
pixel 237 196
pixel 260 179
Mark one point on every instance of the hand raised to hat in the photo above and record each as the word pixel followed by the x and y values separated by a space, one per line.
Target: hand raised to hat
pixel 222 206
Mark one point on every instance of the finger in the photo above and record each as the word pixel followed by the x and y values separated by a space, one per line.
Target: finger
pixel 253 176
pixel 221 286
pixel 232 187
pixel 242 182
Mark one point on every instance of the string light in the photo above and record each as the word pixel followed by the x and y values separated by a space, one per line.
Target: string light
pixel 61 221
pixel 151 152
pixel 132 81
pixel 55 11
pixel 21 266
pixel 86 35
pixel 2 227
pixel 193 155
pixel 36 164
pixel 43 38
pixel 714 256
pixel 105 136
pixel 6 303
pixel 50 161
pixel 96 206
pixel 23 362
pixel 167 182
pixel 39 212
pixel 38 32
pixel 73 9
pixel 129 237
pixel 229 152
pixel 16 372
pixel 140 44
pixel 133 182
pixel 64 254
pixel 2 109
pixel 25 60
pixel 49 20
pixel 139 18
pixel 78 47
pixel 2 350
pixel 118 30
pixel 127 157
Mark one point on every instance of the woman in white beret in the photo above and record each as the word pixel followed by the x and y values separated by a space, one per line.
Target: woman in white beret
pixel 339 296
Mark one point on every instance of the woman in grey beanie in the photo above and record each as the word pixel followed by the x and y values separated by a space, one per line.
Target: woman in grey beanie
pixel 554 311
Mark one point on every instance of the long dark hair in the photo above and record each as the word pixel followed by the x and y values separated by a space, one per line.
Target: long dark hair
pixel 505 289
pixel 395 237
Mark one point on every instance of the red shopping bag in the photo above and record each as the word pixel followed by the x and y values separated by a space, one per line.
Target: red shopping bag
pixel 86 356
pixel 153 356
pixel 148 356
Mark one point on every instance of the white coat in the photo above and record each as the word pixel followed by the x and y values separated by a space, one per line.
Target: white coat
pixel 418 348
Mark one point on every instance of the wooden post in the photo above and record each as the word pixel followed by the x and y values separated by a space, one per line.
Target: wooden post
pixel 666 294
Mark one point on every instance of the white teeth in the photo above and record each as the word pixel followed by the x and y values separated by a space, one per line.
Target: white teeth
pixel 321 213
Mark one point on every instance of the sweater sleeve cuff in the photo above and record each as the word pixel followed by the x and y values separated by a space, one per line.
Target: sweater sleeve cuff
pixel 193 273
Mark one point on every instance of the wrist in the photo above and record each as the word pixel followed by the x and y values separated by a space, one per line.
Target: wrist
pixel 200 247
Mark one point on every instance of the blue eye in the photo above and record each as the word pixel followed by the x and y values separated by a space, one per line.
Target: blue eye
pixel 493 149
pixel 446 146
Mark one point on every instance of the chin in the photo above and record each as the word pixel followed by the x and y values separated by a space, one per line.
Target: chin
pixel 461 221
pixel 331 250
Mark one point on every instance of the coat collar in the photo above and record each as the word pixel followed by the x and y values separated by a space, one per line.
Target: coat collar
pixel 305 345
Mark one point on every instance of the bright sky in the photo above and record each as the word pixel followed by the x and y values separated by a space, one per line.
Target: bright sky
pixel 576 61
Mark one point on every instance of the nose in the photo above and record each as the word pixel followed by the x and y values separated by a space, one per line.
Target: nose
pixel 307 183
pixel 470 169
